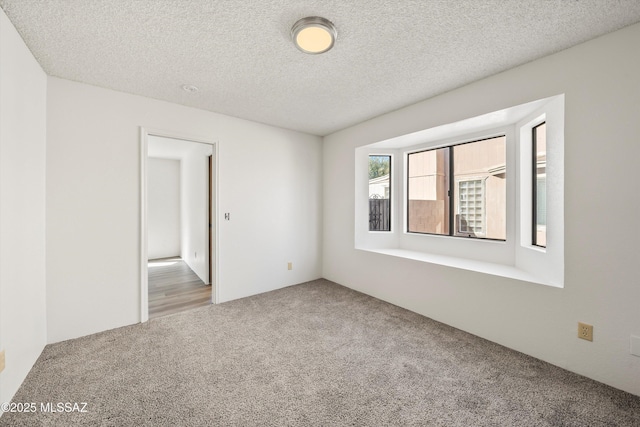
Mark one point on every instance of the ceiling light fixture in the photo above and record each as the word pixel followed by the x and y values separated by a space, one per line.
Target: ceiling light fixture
pixel 313 35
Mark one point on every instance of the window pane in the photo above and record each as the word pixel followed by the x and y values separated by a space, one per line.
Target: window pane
pixel 480 189
pixel 540 185
pixel 428 210
pixel 379 193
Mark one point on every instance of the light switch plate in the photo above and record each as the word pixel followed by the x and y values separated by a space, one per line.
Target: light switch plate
pixel 635 345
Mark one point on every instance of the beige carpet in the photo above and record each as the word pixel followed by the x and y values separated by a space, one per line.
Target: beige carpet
pixel 314 354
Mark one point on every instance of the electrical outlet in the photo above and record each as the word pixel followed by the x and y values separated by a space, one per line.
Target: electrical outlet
pixel 290 266
pixel 1 360
pixel 585 331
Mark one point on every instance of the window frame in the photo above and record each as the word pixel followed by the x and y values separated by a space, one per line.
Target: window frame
pixel 534 185
pixel 452 183
pixel 391 193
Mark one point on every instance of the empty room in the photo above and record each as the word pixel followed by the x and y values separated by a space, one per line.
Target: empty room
pixel 382 213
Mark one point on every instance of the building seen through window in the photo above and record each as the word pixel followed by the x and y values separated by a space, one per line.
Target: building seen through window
pixel 459 190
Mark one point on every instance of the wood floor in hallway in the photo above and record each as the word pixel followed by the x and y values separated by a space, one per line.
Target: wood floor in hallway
pixel 174 287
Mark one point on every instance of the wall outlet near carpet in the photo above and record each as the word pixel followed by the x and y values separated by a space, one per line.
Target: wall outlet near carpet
pixel 585 331
pixel 289 266
pixel 1 360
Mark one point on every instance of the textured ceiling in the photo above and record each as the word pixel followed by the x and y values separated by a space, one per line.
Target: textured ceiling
pixel 388 54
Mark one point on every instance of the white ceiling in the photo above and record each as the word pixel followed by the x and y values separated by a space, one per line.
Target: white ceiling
pixel 388 54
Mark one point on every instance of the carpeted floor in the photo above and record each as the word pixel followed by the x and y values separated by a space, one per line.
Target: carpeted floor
pixel 313 354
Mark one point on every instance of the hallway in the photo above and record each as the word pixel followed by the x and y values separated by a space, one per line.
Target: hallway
pixel 174 287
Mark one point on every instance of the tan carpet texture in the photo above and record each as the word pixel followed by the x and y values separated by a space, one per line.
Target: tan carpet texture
pixel 316 354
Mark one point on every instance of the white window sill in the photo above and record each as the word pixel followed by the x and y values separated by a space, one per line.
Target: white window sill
pixel 508 271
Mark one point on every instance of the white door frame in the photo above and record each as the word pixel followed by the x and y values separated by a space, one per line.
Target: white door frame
pixel 144 273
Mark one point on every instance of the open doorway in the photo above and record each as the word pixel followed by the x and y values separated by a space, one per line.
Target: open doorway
pixel 178 233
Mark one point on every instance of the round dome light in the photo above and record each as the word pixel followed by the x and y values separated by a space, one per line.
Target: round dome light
pixel 313 35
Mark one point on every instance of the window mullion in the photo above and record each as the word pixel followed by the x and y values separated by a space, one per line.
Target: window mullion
pixel 534 189
pixel 451 192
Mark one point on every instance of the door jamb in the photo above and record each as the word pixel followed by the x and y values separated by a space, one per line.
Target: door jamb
pixel 144 274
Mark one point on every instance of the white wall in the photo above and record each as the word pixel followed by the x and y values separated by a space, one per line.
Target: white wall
pixel 93 199
pixel 195 209
pixel 22 208
pixel 163 214
pixel 601 80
